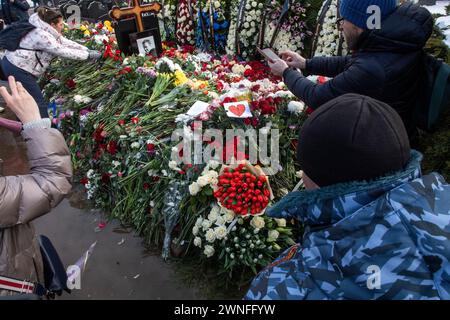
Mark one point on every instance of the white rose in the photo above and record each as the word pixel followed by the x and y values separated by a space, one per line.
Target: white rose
pixel 206 224
pixel 213 164
pixel 209 251
pixel 212 174
pixel 210 236
pixel 221 232
pixel 197 242
pixel 273 235
pixel 220 221
pixel 199 221
pixel 135 145
pixel 281 222
pixel 229 216
pixel 194 188
pixel 257 222
pixel 212 216
pixel 204 180
pixel 195 230
pixel 173 165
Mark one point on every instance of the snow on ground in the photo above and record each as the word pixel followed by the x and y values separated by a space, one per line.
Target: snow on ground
pixel 439 8
pixel 442 22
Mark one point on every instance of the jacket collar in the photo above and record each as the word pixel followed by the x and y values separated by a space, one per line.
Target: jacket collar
pixel 38 23
pixel 331 204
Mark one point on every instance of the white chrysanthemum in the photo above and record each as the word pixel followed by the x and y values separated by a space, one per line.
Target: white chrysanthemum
pixel 209 251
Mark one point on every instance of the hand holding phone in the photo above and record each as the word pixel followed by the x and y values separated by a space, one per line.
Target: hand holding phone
pixel 268 54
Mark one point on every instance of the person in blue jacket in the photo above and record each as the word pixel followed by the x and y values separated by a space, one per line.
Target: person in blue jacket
pixel 375 227
pixel 385 63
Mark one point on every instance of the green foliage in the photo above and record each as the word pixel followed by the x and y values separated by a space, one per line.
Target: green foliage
pixel 437 47
pixel 311 21
pixel 436 146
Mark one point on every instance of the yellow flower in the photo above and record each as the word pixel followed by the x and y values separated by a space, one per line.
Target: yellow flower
pixel 87 33
pixel 199 85
pixel 108 25
pixel 83 28
pixel 180 78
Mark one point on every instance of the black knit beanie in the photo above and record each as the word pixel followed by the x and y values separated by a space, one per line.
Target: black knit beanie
pixel 352 138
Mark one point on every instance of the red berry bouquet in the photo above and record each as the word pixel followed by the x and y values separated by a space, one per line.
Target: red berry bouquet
pixel 244 189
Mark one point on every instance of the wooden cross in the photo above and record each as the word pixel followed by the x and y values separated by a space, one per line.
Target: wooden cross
pixel 136 10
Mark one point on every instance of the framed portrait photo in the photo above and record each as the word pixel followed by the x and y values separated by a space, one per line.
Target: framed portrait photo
pixel 146 43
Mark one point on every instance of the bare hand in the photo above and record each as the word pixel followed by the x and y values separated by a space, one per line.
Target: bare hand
pixel 293 59
pixel 278 67
pixel 20 102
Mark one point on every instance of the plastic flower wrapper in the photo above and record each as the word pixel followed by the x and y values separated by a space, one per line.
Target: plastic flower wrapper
pixel 171 213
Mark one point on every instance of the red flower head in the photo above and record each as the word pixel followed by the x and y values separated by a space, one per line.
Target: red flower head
pixel 121 122
pixel 321 79
pixel 112 147
pixel 135 120
pixel 249 72
pixel 106 178
pixel 71 84
pixel 125 70
pixel 151 149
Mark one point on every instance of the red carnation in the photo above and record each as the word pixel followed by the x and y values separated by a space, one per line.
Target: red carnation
pixel 112 147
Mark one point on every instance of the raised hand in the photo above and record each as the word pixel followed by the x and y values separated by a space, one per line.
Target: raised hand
pixel 20 102
pixel 293 59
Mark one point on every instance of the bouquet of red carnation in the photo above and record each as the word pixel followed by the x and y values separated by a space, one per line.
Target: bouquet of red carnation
pixel 244 189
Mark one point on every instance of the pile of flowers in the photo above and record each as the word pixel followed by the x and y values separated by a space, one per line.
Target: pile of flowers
pixel 329 41
pixel 118 116
pixel 243 34
pixel 185 31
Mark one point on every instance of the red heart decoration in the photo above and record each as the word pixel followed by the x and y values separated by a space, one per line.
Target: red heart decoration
pixel 237 110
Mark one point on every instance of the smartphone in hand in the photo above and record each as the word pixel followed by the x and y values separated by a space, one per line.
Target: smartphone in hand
pixel 268 54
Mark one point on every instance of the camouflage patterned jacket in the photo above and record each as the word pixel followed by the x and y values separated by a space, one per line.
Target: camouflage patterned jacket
pixel 387 239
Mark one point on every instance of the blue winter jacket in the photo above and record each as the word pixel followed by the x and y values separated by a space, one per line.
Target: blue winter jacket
pixel 387 239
